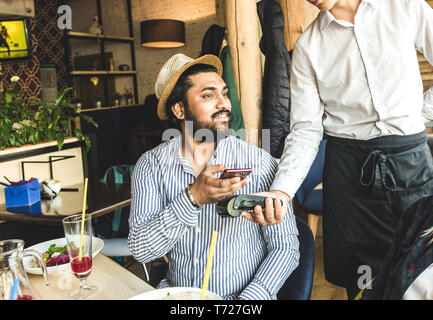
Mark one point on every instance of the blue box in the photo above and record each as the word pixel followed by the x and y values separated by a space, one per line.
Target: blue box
pixel 23 195
pixel 33 209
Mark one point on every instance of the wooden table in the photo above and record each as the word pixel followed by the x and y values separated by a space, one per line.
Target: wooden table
pixel 101 199
pixel 113 281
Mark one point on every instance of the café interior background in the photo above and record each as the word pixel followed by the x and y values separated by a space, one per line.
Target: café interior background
pixel 48 43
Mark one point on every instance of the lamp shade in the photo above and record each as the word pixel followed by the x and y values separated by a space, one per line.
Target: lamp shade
pixel 162 33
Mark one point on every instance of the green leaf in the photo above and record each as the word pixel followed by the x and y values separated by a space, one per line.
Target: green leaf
pixel 78 133
pixel 9 95
pixel 35 137
pixel 89 120
pixel 87 142
pixel 61 96
pixel 12 140
pixel 60 141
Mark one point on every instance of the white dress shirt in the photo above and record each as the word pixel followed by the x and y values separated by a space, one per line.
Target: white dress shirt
pixel 356 81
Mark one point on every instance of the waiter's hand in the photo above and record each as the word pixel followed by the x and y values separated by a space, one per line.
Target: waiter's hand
pixel 274 212
pixel 208 189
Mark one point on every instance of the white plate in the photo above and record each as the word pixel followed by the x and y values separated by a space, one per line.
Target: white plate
pixel 178 293
pixel 97 245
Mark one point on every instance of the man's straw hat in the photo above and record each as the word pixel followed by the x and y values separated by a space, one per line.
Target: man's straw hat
pixel 172 70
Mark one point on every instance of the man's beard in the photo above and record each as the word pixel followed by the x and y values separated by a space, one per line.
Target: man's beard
pixel 208 130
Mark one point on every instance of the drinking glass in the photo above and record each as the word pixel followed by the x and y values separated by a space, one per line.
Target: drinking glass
pixel 81 261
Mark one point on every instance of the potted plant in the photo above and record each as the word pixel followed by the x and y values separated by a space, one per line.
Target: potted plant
pixel 128 96
pixel 25 120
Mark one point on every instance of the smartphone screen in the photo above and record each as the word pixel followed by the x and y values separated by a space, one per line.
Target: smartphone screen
pixel 230 173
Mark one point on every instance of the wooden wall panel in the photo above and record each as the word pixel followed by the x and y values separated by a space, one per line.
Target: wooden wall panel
pixel 243 40
pixel 298 15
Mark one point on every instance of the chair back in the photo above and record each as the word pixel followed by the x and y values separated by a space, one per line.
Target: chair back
pixel 315 174
pixel 120 174
pixel 115 225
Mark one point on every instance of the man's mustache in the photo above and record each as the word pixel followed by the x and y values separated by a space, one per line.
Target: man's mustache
pixel 216 114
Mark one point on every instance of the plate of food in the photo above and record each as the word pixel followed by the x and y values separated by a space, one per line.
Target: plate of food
pixel 176 293
pixel 55 255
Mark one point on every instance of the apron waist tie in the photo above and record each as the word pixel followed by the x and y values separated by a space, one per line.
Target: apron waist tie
pixel 381 176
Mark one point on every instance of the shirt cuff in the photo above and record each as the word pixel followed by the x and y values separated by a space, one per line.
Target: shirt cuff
pixel 255 291
pixel 184 210
pixel 280 183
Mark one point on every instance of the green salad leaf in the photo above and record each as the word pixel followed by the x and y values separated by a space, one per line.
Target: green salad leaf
pixel 60 250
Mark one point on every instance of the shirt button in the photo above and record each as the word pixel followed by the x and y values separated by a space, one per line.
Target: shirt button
pixel 198 230
pixel 195 260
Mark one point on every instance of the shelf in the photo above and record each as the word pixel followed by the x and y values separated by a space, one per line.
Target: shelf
pixel 102 73
pixel 91 36
pixel 112 108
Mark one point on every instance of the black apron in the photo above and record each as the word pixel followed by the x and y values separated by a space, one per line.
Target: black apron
pixel 367 186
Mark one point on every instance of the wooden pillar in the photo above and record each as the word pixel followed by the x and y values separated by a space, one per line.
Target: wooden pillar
pixel 243 39
pixel 298 15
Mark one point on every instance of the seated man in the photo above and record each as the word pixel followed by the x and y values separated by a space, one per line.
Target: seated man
pixel 175 189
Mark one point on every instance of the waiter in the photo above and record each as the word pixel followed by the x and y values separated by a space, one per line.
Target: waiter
pixel 355 78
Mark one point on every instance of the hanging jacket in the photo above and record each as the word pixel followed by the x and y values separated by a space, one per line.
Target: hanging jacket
pixel 211 44
pixel 212 40
pixel 276 78
pixel 409 255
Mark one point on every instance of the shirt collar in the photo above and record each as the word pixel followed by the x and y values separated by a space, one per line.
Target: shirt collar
pixel 327 18
pixel 212 160
pixel 182 160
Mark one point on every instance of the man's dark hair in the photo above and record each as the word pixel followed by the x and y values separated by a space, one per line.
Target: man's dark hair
pixel 178 94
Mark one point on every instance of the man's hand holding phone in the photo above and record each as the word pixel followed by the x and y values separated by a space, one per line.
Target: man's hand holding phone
pixel 208 189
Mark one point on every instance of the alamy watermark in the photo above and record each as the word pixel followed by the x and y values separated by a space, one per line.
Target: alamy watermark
pixel 65 20
pixel 366 278
pixel 206 136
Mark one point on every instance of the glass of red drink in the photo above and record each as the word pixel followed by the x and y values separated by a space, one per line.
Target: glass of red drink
pixel 78 233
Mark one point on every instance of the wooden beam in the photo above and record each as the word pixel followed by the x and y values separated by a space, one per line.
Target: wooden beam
pixel 298 15
pixel 293 21
pixel 230 17
pixel 243 39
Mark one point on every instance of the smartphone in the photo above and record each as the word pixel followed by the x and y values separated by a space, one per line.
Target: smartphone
pixel 231 173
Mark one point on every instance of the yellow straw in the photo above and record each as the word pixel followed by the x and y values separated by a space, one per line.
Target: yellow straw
pixel 208 265
pixel 80 251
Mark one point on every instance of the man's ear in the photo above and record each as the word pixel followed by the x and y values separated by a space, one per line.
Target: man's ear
pixel 178 110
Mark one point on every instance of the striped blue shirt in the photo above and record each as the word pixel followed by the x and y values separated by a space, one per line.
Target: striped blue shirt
pixel 250 261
